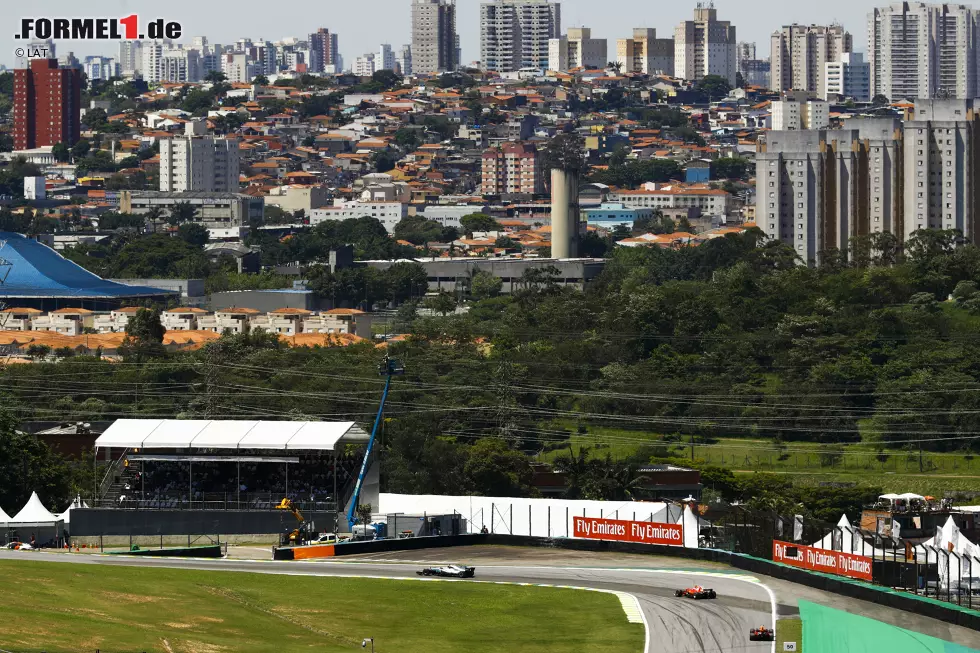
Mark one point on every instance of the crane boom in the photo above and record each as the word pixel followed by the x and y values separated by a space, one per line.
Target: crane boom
pixel 388 368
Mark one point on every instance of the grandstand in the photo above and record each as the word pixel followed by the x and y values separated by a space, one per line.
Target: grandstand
pixel 239 465
pixel 38 277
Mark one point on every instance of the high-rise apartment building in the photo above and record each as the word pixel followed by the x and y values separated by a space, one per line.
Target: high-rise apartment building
pixel 577 49
pixel 238 68
pixel 850 77
pixel 942 146
pixel 515 34
pixel 435 44
pixel 195 162
pixel 164 62
pixel 817 189
pixel 324 52
pixel 645 53
pixel 385 58
pixel 705 46
pixel 513 168
pixel 800 54
pixel 794 115
pixel 47 105
pixel 919 50
pixel 365 65
pixel 130 58
pixel 403 62
pixel 102 68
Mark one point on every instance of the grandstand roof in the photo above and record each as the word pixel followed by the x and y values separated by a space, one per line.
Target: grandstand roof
pixel 229 435
pixel 39 271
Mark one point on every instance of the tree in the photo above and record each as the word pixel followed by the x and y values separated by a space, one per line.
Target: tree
pixel 215 77
pixel 406 281
pixel 64 352
pixel 182 212
pixel 144 336
pixel 443 303
pixel 879 100
pixel 739 80
pixel 38 352
pixel 61 152
pixel 260 80
pixel 419 231
pixel 496 470
pixel 387 79
pixel 81 149
pixel 506 242
pixel 566 152
pixel 729 167
pixel 193 234
pixel 484 285
pixel 714 86
pixel 95 118
pixel 479 222
pixel 384 161
pixel 409 138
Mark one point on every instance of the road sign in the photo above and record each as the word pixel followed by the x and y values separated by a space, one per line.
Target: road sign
pixel 789 646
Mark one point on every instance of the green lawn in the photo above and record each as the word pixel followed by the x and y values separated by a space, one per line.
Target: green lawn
pixel 57 607
pixel 789 630
pixel 807 462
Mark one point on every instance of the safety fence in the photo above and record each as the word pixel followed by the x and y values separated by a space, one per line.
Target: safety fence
pixel 918 565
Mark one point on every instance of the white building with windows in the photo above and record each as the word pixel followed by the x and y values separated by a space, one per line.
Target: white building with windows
pixel 102 68
pixel 388 213
pixel 577 49
pixel 515 34
pixel 792 115
pixel 850 77
pixel 705 46
pixel 199 163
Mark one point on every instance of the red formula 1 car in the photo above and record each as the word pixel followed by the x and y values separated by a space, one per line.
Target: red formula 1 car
pixel 696 592
pixel 761 634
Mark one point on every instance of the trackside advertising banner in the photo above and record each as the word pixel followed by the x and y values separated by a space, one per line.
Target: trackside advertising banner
pixel 643 532
pixel 829 562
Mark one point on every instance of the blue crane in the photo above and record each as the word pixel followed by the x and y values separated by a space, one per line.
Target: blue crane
pixel 388 368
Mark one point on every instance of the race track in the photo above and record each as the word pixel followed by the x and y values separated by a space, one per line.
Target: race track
pixel 673 625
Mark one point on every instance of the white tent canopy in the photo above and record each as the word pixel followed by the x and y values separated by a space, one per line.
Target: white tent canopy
pixel 66 515
pixel 34 513
pixel 4 518
pixel 949 538
pixel 229 434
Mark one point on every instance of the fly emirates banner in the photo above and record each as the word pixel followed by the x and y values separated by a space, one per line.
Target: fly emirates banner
pixel 643 532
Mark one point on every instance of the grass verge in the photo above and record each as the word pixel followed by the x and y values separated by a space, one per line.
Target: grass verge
pixel 789 630
pixel 56 607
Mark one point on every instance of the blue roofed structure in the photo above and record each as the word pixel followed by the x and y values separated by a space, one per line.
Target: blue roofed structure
pixel 45 279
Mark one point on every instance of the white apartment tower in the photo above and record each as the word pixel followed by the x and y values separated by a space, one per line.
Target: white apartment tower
pixel 704 46
pixel 942 144
pixel 800 54
pixel 577 49
pixel 403 62
pixel 164 62
pixel 130 58
pixel 817 189
pixel 793 115
pixel 366 65
pixel 198 163
pixel 644 53
pixel 435 44
pixel 848 78
pixel 385 58
pixel 919 50
pixel 515 34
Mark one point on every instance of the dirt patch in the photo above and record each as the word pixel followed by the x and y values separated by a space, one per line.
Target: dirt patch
pixel 130 598
pixel 211 620
pixel 199 647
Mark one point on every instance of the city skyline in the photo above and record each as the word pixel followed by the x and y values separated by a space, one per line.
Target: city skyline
pixel 357 36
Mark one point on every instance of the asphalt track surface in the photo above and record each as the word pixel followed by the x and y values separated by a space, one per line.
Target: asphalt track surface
pixel 673 625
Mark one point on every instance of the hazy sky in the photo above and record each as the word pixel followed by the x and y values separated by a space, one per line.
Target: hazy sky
pixel 363 24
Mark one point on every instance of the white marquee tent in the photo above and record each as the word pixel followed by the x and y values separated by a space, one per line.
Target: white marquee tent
pixel 4 518
pixel 965 562
pixel 230 434
pixel 34 514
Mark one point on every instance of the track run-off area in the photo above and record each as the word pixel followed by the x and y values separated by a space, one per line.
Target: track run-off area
pixel 644 584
